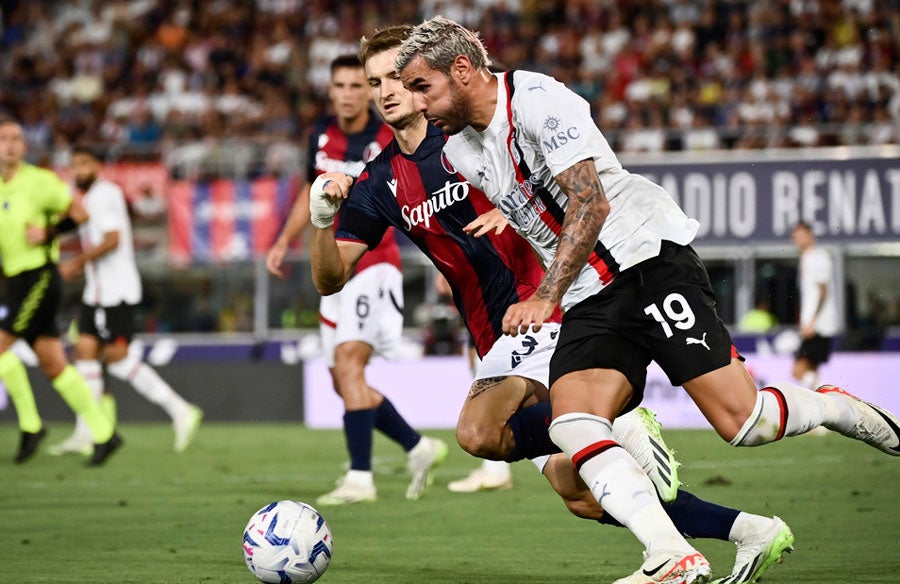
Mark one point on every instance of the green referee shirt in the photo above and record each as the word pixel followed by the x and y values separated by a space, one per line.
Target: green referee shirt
pixel 33 196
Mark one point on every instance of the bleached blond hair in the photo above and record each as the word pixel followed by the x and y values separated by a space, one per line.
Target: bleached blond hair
pixel 439 41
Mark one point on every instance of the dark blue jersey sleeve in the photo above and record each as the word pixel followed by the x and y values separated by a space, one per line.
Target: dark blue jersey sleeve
pixel 361 217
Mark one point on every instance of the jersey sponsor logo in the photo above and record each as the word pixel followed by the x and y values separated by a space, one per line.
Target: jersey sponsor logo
pixel 451 192
pixel 701 341
pixel 349 167
pixel 556 136
pixel 392 184
pixel 540 86
pixel 521 206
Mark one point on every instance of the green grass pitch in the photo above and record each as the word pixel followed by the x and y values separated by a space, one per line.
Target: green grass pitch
pixel 152 516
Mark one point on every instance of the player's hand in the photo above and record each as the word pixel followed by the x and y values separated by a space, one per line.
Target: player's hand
pixel 71 269
pixel 493 220
pixel 529 313
pixel 275 257
pixel 35 235
pixel 325 197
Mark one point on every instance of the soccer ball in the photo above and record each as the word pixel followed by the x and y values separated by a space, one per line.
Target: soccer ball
pixel 286 543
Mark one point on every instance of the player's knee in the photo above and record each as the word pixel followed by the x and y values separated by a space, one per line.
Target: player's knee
pixel 583 508
pixel 481 440
pixel 801 366
pixel 115 352
pixel 51 359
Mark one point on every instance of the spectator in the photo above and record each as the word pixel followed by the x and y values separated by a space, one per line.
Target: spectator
pixel 799 73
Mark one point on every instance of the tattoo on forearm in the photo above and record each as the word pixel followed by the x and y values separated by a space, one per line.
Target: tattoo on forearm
pixel 586 213
pixel 480 386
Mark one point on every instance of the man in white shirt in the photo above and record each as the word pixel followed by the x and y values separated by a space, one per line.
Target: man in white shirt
pixel 111 293
pixel 618 261
pixel 819 315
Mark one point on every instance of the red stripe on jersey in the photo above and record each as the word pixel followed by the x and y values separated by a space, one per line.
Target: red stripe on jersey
pixel 221 227
pixel 734 353
pixel 590 451
pixel 546 215
pixel 327 322
pixel 336 146
pixel 520 178
pixel 782 406
pixel 600 267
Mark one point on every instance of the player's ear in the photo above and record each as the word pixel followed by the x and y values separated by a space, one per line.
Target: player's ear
pixel 462 69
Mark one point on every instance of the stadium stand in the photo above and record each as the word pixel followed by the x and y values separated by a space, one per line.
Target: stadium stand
pixel 227 87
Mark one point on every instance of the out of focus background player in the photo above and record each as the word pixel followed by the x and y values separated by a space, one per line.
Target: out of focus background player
pixel 112 291
pixel 819 315
pixel 32 198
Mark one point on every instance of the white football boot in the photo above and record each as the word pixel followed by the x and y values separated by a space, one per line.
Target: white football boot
pixel 425 456
pixel 79 442
pixel 186 425
pixel 875 426
pixel 668 567
pixel 492 475
pixel 354 487
pixel 763 542
pixel 640 435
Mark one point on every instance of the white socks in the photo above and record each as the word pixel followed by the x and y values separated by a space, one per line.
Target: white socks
pixel 616 480
pixel 149 384
pixel 496 468
pixel 359 478
pixel 788 410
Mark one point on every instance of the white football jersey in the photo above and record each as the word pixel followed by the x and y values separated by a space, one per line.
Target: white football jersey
pixel 541 128
pixel 817 267
pixel 112 278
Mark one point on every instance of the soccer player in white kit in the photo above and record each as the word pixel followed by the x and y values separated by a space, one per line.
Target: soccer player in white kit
pixel 820 319
pixel 616 249
pixel 111 294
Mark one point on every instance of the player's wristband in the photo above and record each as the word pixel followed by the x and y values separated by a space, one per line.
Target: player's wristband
pixel 67 224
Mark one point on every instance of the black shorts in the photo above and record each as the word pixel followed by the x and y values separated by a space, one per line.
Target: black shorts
pixel 816 349
pixel 32 302
pixel 662 310
pixel 110 324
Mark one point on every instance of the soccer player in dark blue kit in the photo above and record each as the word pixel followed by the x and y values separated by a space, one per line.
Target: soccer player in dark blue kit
pixel 412 186
pixel 366 317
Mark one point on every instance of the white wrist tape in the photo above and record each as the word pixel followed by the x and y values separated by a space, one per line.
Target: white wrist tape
pixel 322 207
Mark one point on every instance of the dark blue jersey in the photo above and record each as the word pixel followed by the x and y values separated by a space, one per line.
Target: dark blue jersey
pixel 423 195
pixel 331 150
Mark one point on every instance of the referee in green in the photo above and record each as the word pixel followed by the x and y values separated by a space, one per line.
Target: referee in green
pixel 31 201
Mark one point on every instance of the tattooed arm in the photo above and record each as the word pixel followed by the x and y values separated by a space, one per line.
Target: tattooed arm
pixel 585 215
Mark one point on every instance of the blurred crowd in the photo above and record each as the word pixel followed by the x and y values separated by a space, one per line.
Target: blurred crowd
pixel 229 86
